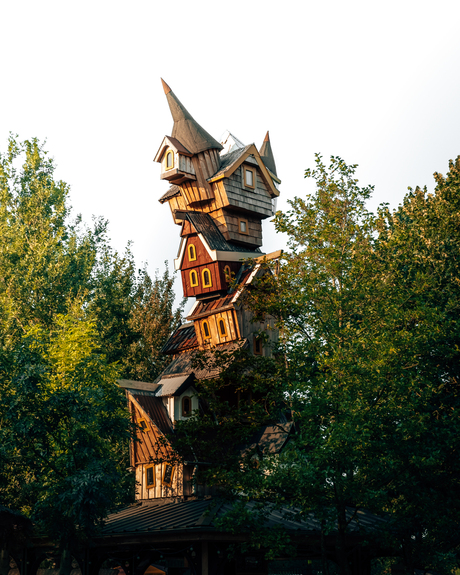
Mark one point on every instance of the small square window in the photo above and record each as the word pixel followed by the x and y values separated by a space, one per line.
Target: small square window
pixel 243 225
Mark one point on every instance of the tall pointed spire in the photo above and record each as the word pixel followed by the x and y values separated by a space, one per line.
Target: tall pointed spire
pixel 189 133
pixel 267 155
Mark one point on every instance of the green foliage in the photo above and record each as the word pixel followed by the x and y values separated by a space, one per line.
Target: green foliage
pixel 67 429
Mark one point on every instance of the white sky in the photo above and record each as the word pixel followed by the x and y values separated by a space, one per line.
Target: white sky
pixel 377 83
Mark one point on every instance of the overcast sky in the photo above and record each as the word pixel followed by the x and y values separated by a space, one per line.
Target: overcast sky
pixel 377 83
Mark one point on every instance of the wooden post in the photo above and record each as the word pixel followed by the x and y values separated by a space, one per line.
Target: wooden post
pixel 204 558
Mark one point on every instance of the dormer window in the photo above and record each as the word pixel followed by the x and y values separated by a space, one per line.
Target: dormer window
pixel 186 406
pixel 193 278
pixel 169 161
pixel 249 177
pixel 191 253
pixel 206 278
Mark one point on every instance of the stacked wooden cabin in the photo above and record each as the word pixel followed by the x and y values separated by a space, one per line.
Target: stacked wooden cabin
pixel 219 195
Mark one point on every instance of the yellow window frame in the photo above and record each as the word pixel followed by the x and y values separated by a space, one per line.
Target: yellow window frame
pixel 203 275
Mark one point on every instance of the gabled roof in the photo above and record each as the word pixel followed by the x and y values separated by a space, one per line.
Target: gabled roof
pixel 172 386
pixel 230 162
pixel 170 142
pixel 192 136
pixel 218 248
pixel 267 155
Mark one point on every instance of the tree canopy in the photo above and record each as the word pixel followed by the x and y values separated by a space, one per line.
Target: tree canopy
pixel 75 316
pixel 368 310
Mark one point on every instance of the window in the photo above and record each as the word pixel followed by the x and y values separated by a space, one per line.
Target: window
pixel 243 226
pixel 258 348
pixel 222 328
pixel 186 406
pixel 169 162
pixel 228 274
pixel 206 330
pixel 193 278
pixel 143 425
pixel 168 474
pixel 206 278
pixel 150 476
pixel 249 177
pixel 191 253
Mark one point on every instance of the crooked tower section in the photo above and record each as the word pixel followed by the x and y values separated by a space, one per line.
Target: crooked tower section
pixel 219 195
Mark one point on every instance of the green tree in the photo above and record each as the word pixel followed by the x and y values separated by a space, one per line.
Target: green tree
pixel 68 428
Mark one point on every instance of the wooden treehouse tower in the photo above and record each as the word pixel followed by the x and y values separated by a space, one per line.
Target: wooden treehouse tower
pixel 219 195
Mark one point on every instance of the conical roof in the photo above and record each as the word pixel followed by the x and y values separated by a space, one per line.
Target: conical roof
pixel 267 155
pixel 189 133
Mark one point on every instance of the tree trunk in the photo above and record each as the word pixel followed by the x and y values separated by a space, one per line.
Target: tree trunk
pixel 65 565
pixel 4 559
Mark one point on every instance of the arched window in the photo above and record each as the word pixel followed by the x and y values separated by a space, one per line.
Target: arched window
pixel 222 328
pixel 191 253
pixel 169 162
pixel 193 278
pixel 206 278
pixel 228 274
pixel 186 406
pixel 206 330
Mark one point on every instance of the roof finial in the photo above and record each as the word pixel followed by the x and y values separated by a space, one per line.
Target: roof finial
pixel 267 155
pixel 166 88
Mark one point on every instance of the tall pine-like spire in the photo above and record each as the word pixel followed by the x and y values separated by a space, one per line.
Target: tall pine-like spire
pixel 267 155
pixel 189 133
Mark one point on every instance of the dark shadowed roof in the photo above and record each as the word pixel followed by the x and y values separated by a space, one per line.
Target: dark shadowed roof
pixel 267 155
pixel 149 516
pixel 200 515
pixel 183 338
pixel 189 133
pixel 185 363
pixel 155 409
pixel 173 191
pixel 270 439
pixel 205 225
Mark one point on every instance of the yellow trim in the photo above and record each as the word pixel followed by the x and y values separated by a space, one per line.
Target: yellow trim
pixel 143 429
pixel 251 151
pixel 193 274
pixel 191 253
pixel 204 331
pixel 150 485
pixel 228 274
pixel 172 474
pixel 221 323
pixel 166 160
pixel 253 172
pixel 210 278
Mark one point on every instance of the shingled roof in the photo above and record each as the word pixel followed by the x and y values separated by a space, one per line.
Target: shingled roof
pixel 173 191
pixel 189 133
pixel 205 225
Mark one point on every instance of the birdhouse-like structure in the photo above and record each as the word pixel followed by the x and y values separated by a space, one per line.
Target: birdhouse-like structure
pixel 220 192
